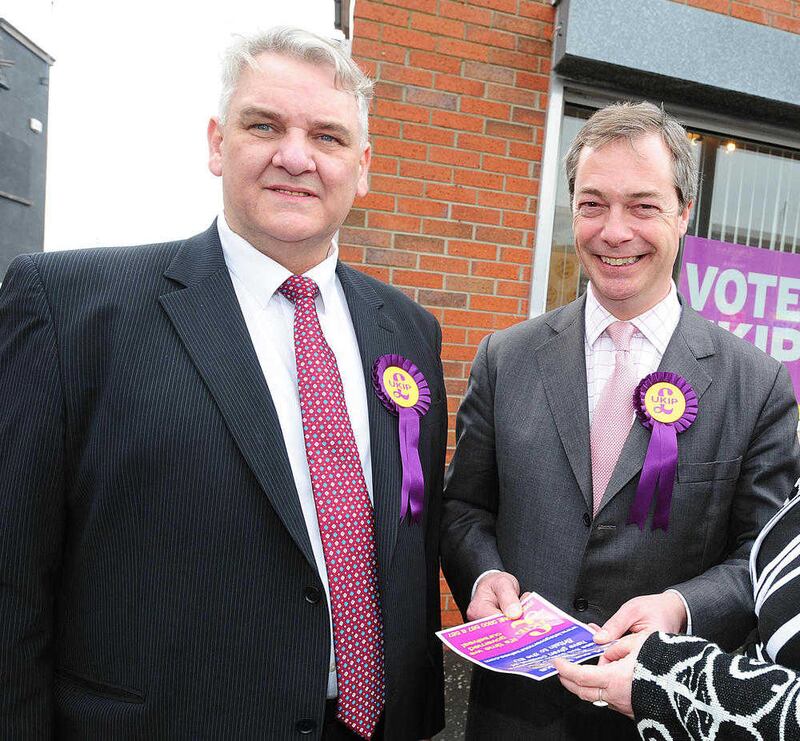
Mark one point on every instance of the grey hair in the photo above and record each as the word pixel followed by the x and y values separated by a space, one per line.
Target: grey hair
pixel 630 121
pixel 305 46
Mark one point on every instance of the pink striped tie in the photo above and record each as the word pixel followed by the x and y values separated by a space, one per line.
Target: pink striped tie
pixel 613 414
pixel 345 517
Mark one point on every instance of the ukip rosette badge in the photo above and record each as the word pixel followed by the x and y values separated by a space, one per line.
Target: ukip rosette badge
pixel 666 404
pixel 403 390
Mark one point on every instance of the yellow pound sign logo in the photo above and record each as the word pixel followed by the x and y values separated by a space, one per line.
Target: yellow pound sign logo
pixel 400 386
pixel 665 402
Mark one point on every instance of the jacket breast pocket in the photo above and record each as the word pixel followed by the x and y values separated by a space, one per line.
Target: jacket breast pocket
pixel 690 473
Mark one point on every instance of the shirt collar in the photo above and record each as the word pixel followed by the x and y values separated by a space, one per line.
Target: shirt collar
pixel 262 276
pixel 656 324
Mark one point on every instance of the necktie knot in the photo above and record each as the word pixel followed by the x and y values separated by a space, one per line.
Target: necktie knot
pixel 298 286
pixel 620 334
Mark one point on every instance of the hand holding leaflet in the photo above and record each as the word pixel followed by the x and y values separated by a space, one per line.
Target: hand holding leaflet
pixel 526 645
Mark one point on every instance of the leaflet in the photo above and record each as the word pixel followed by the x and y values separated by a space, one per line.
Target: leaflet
pixel 526 645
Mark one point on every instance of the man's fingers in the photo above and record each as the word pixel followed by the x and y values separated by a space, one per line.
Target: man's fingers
pixel 603 636
pixel 625 647
pixel 618 624
pixel 616 651
pixel 665 611
pixel 497 592
pixel 482 607
pixel 508 598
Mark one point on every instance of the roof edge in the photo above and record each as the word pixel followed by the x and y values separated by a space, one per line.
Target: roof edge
pixel 26 42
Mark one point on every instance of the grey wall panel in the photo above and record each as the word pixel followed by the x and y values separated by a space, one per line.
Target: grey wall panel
pixel 676 52
pixel 23 152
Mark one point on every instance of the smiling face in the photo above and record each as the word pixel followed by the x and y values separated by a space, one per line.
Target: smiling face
pixel 628 222
pixel 290 157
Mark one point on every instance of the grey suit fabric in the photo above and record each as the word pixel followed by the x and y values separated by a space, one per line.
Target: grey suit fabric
pixel 156 576
pixel 518 497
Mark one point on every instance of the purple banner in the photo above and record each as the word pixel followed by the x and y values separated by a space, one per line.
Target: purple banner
pixel 752 292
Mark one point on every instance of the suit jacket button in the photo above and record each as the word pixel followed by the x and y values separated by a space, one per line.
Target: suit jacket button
pixel 587 519
pixel 306 726
pixel 312 595
pixel 580 604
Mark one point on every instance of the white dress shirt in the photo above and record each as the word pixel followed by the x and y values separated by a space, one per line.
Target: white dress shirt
pixel 654 330
pixel 270 321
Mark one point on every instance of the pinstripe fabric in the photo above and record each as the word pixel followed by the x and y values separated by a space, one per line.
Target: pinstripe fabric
pixel 157 579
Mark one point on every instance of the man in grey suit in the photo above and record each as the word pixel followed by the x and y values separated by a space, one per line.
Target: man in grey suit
pixel 532 499
pixel 203 533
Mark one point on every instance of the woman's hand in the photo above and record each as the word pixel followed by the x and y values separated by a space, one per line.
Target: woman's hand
pixel 610 680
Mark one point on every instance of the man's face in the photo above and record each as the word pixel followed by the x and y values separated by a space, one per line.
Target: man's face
pixel 627 222
pixel 290 158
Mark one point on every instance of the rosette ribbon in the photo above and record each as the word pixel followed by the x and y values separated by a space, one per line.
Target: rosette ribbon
pixel 403 390
pixel 666 404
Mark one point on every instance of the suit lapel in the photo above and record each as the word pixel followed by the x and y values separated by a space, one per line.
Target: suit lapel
pixel 208 320
pixel 565 387
pixel 690 342
pixel 376 335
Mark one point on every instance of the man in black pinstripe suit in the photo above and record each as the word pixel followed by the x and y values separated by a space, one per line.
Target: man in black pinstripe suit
pixel 161 573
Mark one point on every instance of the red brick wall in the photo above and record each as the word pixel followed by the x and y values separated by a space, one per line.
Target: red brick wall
pixel 783 14
pixel 457 134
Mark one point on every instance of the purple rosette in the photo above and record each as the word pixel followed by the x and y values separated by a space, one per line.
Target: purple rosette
pixel 661 461
pixel 412 492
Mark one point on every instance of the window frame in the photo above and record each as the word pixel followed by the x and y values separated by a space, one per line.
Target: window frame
pixel 566 92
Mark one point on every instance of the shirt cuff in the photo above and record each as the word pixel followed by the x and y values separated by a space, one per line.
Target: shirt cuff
pixel 688 630
pixel 475 585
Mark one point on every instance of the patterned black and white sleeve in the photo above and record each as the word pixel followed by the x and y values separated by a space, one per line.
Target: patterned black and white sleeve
pixel 687 688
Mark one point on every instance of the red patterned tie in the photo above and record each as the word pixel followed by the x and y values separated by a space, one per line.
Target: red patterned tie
pixel 345 517
pixel 613 414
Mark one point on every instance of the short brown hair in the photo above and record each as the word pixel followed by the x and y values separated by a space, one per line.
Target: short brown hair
pixel 631 121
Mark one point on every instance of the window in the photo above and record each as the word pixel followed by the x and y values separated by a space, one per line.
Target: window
pixel 749 194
